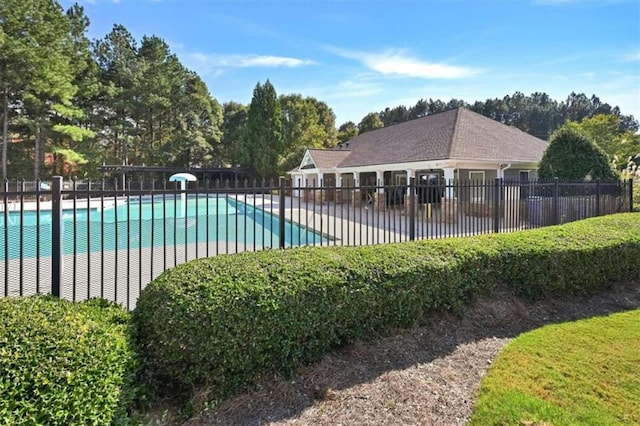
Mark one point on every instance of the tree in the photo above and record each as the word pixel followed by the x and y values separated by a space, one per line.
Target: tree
pixel 262 142
pixel 73 131
pixel 35 67
pixel 572 155
pixel 301 129
pixel 347 131
pixel 195 134
pixel 395 115
pixel 117 58
pixel 327 120
pixel 233 127
pixel 606 131
pixel 369 122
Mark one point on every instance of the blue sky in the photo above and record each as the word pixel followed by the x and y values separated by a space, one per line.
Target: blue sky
pixel 360 56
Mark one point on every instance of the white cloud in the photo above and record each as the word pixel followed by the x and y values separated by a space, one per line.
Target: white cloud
pixel 346 89
pixel 395 62
pixel 247 61
pixel 631 56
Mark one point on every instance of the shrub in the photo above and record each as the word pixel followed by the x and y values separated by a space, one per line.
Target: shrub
pixel 572 155
pixel 223 322
pixel 64 362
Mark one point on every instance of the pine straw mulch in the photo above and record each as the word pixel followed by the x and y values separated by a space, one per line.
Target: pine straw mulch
pixel 426 375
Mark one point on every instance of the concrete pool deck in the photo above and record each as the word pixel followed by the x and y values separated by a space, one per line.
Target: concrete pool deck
pixel 119 275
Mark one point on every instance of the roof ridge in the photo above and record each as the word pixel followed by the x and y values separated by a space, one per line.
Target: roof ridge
pixel 329 149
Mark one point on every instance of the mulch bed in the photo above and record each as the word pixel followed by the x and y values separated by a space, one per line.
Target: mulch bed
pixel 426 375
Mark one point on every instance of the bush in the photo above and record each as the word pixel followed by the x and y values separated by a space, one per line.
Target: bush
pixel 223 322
pixel 572 155
pixel 64 362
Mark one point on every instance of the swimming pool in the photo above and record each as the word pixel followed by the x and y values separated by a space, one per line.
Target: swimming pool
pixel 141 222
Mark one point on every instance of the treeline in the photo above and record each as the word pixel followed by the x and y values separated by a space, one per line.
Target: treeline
pixel 537 114
pixel 69 104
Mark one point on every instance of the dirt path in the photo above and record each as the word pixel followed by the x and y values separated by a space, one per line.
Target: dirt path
pixel 427 375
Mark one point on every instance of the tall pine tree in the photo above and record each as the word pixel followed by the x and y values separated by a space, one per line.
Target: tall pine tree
pixel 262 143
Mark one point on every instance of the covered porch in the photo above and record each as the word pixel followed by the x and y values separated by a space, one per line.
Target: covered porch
pixel 464 185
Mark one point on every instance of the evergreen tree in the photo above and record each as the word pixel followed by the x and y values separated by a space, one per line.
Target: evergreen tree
pixel 233 127
pixel 36 74
pixel 263 143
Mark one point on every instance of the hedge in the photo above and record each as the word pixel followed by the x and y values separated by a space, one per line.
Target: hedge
pixel 63 362
pixel 222 322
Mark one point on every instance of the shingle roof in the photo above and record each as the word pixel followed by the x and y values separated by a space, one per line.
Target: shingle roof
pixel 454 134
pixel 325 158
pixel 481 138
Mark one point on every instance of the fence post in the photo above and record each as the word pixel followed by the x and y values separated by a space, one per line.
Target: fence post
pixel 6 238
pixel 630 194
pixel 56 235
pixel 281 217
pixel 598 197
pixel 556 201
pixel 496 205
pixel 412 209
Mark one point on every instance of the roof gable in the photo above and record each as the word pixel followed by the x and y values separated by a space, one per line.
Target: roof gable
pixel 322 158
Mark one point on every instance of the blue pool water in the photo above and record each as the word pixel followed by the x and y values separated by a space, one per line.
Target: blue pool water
pixel 147 222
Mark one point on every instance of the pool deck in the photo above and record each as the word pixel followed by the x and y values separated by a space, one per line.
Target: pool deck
pixel 346 224
pixel 120 275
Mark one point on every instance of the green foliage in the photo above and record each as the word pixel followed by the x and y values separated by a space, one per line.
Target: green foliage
pixel 572 155
pixel 233 125
pixel 347 131
pixel 63 362
pixel 583 372
pixel 606 131
pixel 370 122
pixel 35 67
pixel 223 322
pixel 262 141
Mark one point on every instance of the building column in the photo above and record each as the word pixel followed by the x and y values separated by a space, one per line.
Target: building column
pixel 355 196
pixel 449 204
pixel 319 192
pixel 379 198
pixel 449 176
pixel 296 183
pixel 410 174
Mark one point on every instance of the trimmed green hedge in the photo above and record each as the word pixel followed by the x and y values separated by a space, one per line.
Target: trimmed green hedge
pixel 225 321
pixel 63 362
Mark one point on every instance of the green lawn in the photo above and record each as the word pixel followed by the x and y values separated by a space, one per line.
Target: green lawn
pixel 580 373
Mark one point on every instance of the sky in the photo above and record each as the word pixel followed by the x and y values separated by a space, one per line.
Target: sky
pixel 361 56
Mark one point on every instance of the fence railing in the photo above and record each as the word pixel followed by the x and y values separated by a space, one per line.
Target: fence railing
pixel 81 239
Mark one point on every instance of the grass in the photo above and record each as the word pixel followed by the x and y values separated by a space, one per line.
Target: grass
pixel 584 372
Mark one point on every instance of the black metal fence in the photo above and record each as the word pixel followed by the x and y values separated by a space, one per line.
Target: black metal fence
pixel 83 239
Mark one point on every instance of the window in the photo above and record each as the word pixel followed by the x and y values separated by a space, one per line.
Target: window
pixel 477 186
